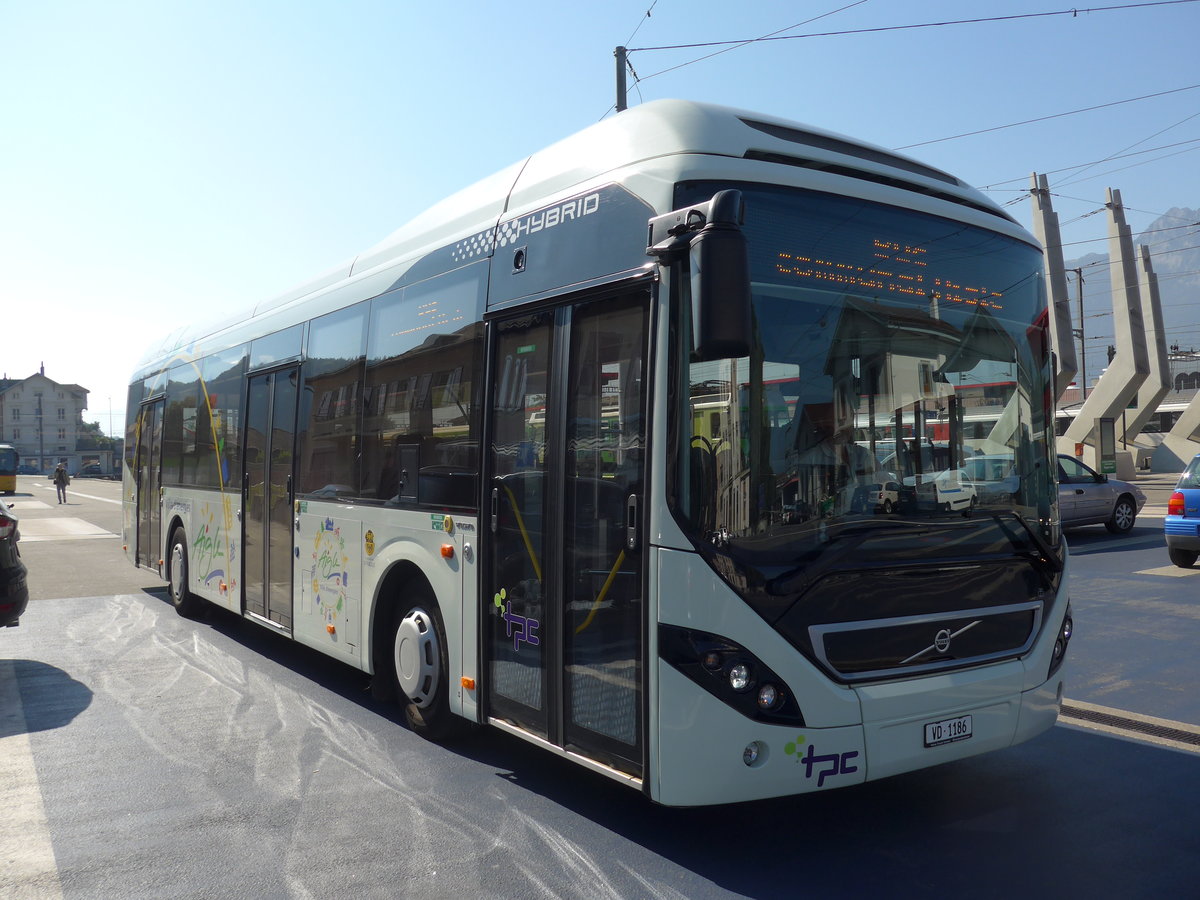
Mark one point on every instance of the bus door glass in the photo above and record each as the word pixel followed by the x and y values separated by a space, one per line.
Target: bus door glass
pixel 565 589
pixel 149 481
pixel 267 487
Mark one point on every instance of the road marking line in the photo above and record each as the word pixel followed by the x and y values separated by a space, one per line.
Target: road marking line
pixel 62 528
pixel 23 505
pixel 75 493
pixel 27 864
pixel 1122 723
pixel 1170 572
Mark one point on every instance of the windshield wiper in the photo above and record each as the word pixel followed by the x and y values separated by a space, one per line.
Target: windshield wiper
pixel 818 562
pixel 1043 553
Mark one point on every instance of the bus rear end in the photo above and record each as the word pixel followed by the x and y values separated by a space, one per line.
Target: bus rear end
pixel 9 460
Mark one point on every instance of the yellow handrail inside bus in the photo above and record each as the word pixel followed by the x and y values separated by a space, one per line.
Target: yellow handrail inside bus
pixel 603 591
pixel 537 569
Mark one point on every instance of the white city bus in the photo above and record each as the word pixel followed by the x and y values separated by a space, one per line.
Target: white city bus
pixel 568 456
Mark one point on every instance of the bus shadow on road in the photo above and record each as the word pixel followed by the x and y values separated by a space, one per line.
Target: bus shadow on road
pixel 1073 813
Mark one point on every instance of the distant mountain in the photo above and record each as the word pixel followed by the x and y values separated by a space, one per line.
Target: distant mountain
pixel 1174 242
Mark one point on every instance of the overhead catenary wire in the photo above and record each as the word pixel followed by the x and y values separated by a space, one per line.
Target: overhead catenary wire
pixel 1119 153
pixel 777 36
pixel 1072 112
pixel 641 22
pixel 733 45
pixel 995 185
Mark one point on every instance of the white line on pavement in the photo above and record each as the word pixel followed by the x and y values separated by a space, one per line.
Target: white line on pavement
pixel 89 496
pixel 27 866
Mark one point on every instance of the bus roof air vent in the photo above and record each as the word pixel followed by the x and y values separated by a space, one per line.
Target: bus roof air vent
pixel 835 145
pixel 875 178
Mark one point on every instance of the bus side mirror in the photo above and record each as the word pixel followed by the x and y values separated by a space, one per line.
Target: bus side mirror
pixel 708 239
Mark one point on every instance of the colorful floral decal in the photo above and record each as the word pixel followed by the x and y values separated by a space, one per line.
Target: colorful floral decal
pixel 330 578
pixel 208 547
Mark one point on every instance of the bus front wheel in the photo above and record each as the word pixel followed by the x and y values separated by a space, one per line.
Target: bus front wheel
pixel 420 667
pixel 185 602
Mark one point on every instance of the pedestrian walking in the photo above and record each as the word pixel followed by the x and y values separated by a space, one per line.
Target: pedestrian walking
pixel 61 480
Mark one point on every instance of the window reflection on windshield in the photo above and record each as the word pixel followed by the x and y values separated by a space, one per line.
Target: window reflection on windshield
pixel 893 379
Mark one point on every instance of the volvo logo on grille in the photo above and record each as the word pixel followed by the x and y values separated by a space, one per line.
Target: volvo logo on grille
pixel 941 642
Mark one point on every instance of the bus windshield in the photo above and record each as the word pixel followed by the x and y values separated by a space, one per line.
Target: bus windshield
pixel 897 392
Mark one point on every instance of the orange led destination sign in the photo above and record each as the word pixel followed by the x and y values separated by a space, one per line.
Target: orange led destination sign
pixel 900 270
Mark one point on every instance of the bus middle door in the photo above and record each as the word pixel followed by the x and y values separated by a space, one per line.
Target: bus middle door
pixel 267 488
pixel 148 475
pixel 563 590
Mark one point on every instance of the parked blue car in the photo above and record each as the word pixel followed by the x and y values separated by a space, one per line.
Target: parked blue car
pixel 1182 524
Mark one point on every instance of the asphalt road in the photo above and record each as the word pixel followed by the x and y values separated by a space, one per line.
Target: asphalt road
pixel 144 755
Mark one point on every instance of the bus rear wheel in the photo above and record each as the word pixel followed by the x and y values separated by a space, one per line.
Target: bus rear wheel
pixel 420 668
pixel 185 602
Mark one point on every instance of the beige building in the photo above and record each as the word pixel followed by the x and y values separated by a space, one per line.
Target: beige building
pixel 43 420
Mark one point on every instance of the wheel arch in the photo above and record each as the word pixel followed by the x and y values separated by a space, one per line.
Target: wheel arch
pixel 388 594
pixel 176 522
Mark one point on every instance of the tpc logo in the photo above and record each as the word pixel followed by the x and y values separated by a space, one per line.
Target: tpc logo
pixel 829 765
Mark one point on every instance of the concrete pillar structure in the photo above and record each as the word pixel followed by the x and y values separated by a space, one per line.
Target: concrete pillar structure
pixel 1158 383
pixel 1045 228
pixel 1131 365
pixel 1181 443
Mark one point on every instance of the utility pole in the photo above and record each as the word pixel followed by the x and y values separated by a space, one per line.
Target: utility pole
pixel 41 440
pixel 1079 331
pixel 619 53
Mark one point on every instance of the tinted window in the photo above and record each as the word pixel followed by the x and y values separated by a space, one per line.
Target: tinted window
pixel 179 425
pixel 330 404
pixel 421 416
pixel 278 347
pixel 219 418
pixel 132 406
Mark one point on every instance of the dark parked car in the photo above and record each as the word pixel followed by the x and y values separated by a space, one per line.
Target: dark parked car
pixel 91 470
pixel 14 592
pixel 1085 497
pixel 26 469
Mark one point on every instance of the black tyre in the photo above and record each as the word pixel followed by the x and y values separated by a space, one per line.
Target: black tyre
pixel 1123 516
pixel 420 667
pixel 185 602
pixel 887 507
pixel 1185 559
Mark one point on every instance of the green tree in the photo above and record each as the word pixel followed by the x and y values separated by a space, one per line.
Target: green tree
pixel 91 437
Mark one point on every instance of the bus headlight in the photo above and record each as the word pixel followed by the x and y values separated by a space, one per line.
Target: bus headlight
pixel 739 677
pixel 732 674
pixel 768 696
pixel 1061 641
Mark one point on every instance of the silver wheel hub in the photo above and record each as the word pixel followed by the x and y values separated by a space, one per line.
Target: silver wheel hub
pixel 417 658
pixel 178 572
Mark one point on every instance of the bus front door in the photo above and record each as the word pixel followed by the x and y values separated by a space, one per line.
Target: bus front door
pixel 565 643
pixel 267 496
pixel 148 463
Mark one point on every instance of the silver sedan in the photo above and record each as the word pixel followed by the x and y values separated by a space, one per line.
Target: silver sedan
pixel 1085 497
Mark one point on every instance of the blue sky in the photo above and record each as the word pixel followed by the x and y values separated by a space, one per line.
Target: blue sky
pixel 166 163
